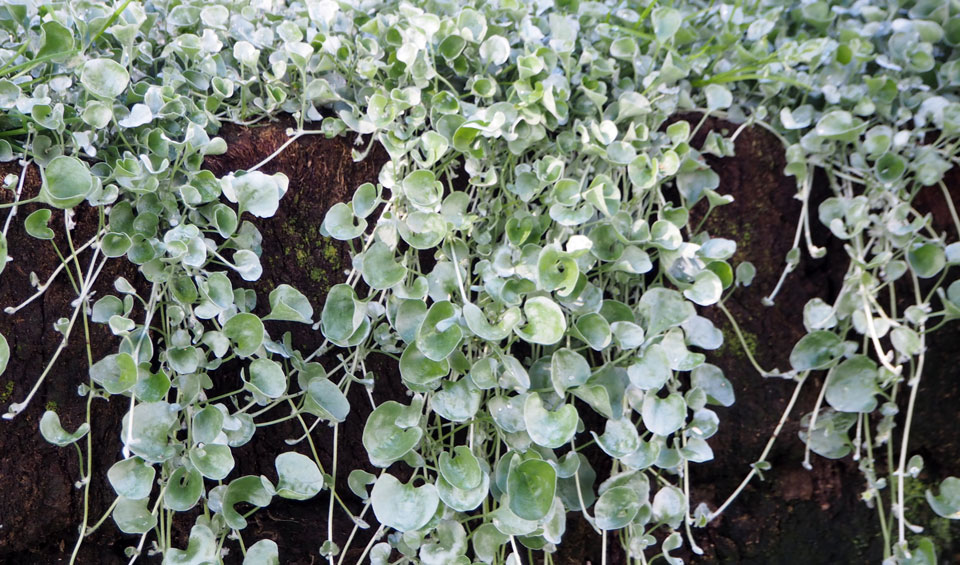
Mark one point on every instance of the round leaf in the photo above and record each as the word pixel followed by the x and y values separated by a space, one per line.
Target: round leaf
pixel 531 486
pixel 663 416
pixel 545 321
pixel 300 478
pixel 379 267
pixel 132 516
pixel 815 350
pixel 852 385
pixel 289 304
pixel 616 508
pixel 104 78
pixel 403 507
pixel 36 224
pixel 184 489
pixel 546 428
pixel 267 378
pixel 439 333
pixel 67 181
pixel 214 461
pixel 53 432
pixel 132 478
pixel 461 470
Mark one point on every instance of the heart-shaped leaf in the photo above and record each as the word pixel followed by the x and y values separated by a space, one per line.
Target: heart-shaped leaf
pixel 439 333
pixel 461 470
pixel 531 486
pixel 300 478
pixel 546 323
pixel 403 507
pixel 546 428
pixel 289 304
pixel 132 478
pixel 53 432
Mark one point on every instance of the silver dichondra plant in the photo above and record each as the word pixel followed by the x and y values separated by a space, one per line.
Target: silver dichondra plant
pixel 527 255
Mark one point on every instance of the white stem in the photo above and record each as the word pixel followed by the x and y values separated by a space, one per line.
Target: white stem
pixel 766 450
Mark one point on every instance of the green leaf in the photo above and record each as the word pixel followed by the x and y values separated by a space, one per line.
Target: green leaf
pixel 207 424
pixel 104 78
pixel 67 182
pixel 422 189
pixel 117 373
pixel 669 506
pixel 53 432
pixel 246 332
pixel 403 507
pixel 132 516
pixel 115 244
pixel 545 321
pixel 620 438
pixel 616 508
pixel 829 438
pixel 666 22
pixel 358 481
pixel 449 547
pixel 365 199
pixel 718 96
pixel 342 314
pixel 710 379
pixel 546 428
pixel 815 350
pixel 328 400
pixel 840 125
pixel 264 552
pixel 478 324
pixel 201 549
pixel 652 369
pixel 461 470
pixel 531 486
pixel 245 489
pixel 706 290
pixel 927 260
pixel 439 333
pixel 256 192
pixel 416 368
pixel 595 331
pixel 663 416
pixel 458 401
pixel 56 40
pixel 147 434
pixel 214 461
pixel 568 369
pixel 300 478
pixel 486 541
pixel 379 267
pixel 36 224
pixel 662 309
pixel 462 500
pixel 184 489
pixel 852 385
pixel 384 438
pixel 267 378
pixel 557 271
pixel 341 223
pixel 947 503
pixel 132 478
pixel 289 304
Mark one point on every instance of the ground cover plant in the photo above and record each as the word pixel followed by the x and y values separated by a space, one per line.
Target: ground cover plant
pixel 532 259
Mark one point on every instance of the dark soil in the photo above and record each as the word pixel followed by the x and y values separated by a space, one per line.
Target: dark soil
pixel 794 516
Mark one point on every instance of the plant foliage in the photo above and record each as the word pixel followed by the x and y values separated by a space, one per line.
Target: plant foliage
pixel 527 255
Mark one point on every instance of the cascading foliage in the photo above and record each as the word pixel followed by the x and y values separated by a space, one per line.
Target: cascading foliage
pixel 527 256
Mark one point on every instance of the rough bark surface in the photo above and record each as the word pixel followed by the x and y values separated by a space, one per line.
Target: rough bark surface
pixel 794 516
